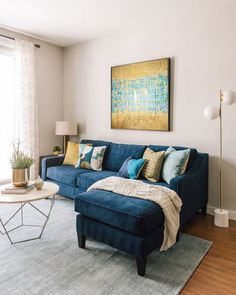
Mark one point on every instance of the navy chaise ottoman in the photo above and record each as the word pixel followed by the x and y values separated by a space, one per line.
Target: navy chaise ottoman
pixel 132 225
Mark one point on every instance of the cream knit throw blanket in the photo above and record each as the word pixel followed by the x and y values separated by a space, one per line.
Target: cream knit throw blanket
pixel 167 199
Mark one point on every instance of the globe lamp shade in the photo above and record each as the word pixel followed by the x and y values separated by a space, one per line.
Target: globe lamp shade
pixel 211 112
pixel 228 97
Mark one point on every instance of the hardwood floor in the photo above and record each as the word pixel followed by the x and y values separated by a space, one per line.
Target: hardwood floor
pixel 216 274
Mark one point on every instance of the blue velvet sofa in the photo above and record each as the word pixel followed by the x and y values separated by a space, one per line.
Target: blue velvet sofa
pixel 131 225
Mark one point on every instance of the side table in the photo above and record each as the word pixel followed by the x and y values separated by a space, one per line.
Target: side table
pixel 48 191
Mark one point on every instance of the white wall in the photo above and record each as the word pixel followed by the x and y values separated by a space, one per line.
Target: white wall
pixel 203 51
pixel 49 76
pixel 49 81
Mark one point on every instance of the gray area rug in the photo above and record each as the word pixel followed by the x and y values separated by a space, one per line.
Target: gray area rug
pixel 55 264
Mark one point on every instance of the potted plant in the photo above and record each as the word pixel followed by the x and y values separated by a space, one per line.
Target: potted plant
pixel 56 150
pixel 20 164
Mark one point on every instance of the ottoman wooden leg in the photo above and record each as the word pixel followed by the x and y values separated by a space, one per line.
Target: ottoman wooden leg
pixel 81 240
pixel 177 236
pixel 204 210
pixel 141 265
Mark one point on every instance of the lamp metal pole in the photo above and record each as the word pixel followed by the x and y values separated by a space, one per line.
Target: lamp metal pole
pixel 221 146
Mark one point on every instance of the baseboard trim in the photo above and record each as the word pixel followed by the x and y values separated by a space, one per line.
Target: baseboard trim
pixel 211 209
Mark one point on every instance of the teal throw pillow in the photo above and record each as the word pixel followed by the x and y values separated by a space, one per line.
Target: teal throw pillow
pixel 92 157
pixel 175 163
pixel 131 168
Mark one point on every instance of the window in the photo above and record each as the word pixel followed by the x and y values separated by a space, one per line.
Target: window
pixel 7 94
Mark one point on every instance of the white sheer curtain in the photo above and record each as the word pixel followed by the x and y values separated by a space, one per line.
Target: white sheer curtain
pixel 26 112
pixel 7 101
pixel 18 103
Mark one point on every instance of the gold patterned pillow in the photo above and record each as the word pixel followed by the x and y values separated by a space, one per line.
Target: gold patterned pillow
pixel 72 154
pixel 153 165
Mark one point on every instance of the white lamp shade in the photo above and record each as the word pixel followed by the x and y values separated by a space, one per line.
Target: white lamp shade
pixel 229 97
pixel 66 128
pixel 211 112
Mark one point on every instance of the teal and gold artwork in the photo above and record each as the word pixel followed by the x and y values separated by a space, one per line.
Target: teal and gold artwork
pixel 140 95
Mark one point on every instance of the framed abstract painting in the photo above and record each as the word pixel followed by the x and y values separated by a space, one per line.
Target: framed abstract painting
pixel 140 95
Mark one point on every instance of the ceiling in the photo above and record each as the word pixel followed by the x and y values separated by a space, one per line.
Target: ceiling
pixel 67 22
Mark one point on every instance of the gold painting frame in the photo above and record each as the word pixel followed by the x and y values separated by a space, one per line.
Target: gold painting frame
pixel 140 95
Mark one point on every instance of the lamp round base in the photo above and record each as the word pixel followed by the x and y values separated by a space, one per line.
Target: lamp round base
pixel 221 218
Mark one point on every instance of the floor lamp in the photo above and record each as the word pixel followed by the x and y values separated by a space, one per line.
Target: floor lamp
pixel 66 128
pixel 221 216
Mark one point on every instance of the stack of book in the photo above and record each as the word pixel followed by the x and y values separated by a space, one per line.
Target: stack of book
pixel 11 189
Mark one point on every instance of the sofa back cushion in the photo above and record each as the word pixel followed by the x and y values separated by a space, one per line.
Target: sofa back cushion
pixel 118 153
pixel 96 142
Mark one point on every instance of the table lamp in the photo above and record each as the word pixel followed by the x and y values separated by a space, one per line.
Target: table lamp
pixel 221 216
pixel 66 128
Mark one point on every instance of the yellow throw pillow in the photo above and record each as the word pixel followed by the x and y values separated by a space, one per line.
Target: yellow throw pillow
pixel 72 154
pixel 153 165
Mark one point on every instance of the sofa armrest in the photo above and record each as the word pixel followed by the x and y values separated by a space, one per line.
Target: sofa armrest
pixel 192 187
pixel 49 162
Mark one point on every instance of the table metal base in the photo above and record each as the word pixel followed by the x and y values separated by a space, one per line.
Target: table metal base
pixel 22 224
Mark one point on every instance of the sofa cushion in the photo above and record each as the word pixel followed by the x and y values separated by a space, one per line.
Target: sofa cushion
pixel 160 183
pixel 64 174
pixel 118 153
pixel 85 180
pixel 96 142
pixel 131 214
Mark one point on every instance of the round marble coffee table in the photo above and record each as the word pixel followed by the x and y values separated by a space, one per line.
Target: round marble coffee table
pixel 48 191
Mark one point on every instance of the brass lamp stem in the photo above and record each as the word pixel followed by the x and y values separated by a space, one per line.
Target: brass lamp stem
pixel 65 141
pixel 221 146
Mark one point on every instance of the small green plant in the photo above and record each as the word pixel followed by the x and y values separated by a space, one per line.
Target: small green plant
pixel 19 159
pixel 56 148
